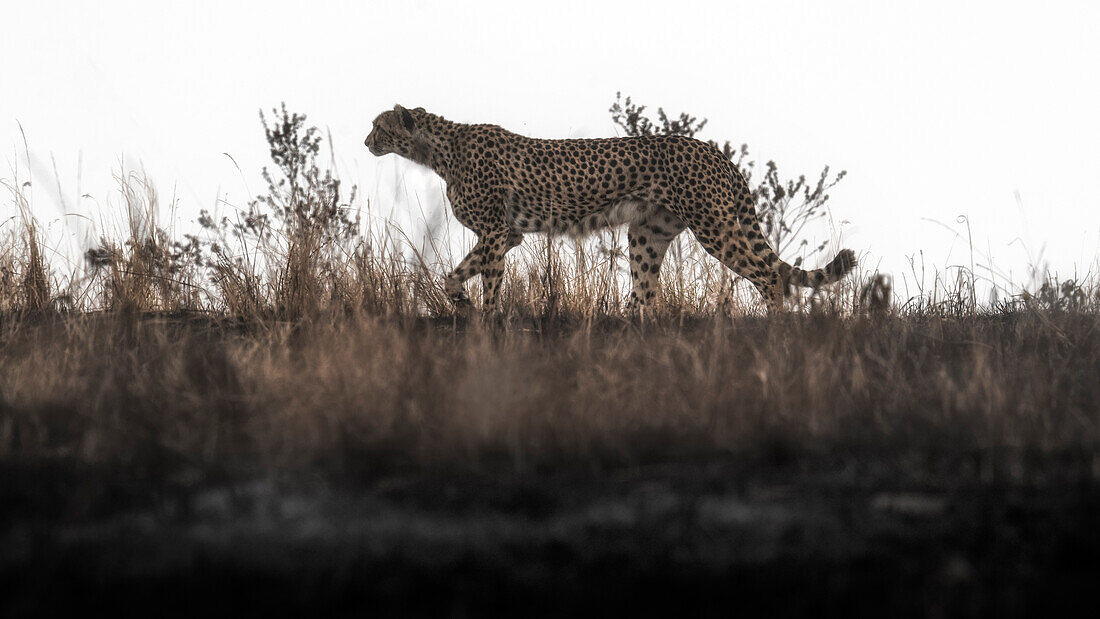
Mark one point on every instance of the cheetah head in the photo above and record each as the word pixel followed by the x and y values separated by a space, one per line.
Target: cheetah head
pixel 395 131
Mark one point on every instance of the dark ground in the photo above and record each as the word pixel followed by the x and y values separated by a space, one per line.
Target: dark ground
pixel 886 534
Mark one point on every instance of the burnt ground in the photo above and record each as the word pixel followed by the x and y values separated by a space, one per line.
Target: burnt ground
pixel 1006 534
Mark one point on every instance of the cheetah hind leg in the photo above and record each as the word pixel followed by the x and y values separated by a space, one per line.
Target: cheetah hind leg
pixel 732 248
pixel 649 238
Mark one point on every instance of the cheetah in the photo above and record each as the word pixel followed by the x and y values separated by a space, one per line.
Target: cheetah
pixel 502 185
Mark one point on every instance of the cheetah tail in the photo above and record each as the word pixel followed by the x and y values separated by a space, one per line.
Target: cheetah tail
pixel 840 266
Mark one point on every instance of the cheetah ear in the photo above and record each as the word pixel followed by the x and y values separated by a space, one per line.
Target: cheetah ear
pixel 405 116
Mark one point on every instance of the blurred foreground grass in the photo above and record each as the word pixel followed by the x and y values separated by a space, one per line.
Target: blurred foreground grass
pixel 362 393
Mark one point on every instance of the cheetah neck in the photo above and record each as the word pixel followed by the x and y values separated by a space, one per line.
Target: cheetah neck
pixel 432 146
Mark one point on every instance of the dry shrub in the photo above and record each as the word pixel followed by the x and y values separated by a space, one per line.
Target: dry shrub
pixel 24 274
pixel 146 272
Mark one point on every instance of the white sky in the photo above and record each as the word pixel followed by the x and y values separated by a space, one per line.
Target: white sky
pixel 935 109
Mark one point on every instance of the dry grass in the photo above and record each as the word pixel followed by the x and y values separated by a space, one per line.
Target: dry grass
pixel 98 388
pixel 376 392
pixel 344 354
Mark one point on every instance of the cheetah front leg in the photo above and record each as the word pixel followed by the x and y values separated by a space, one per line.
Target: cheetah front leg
pixel 455 282
pixel 492 264
pixel 649 239
pixel 485 259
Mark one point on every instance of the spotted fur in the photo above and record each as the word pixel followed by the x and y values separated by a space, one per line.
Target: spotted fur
pixel 502 185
